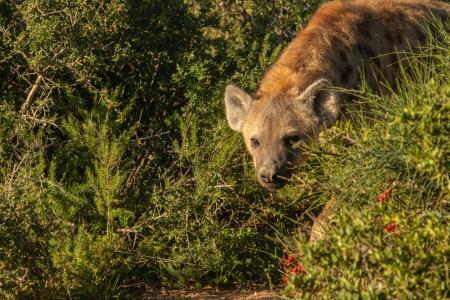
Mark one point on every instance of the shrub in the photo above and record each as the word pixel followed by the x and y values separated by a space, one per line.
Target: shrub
pixel 116 165
pixel 365 258
pixel 118 170
pixel 393 245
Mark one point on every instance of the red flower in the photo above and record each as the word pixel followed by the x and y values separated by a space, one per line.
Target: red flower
pixel 383 196
pixel 392 227
pixel 291 266
pixel 290 259
pixel 298 269
pixel 293 271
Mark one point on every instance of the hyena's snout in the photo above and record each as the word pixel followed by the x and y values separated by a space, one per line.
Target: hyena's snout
pixel 273 175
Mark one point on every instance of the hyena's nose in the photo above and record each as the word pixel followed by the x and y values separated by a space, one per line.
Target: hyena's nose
pixel 268 175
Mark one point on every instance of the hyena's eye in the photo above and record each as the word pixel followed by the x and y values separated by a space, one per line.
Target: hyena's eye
pixel 291 140
pixel 254 142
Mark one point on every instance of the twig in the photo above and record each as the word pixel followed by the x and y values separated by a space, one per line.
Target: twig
pixel 284 178
pixel 131 178
pixel 169 170
pixel 31 94
pixel 26 105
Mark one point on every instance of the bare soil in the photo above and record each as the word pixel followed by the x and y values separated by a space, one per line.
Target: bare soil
pixel 210 294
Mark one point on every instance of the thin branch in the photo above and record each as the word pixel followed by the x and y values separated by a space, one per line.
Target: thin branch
pixel 31 94
pixel 26 105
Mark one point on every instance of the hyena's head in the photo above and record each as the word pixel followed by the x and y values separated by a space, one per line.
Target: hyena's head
pixel 276 128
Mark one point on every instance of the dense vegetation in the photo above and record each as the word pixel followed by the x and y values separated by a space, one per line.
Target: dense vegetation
pixel 117 168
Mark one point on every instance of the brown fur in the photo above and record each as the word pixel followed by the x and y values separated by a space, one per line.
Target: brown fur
pixel 321 225
pixel 343 36
pixel 293 102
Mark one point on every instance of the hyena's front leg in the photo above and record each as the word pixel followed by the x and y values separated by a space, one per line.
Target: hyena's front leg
pixel 321 224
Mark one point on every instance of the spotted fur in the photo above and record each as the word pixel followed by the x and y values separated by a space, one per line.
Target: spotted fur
pixel 344 36
pixel 293 101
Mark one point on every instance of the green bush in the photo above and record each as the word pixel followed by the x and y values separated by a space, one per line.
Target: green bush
pixel 26 219
pixel 397 248
pixel 361 260
pixel 116 165
pixel 118 169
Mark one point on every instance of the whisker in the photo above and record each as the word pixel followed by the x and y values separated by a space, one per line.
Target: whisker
pixel 284 178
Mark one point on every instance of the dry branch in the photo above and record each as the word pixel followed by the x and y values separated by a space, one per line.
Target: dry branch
pixel 27 103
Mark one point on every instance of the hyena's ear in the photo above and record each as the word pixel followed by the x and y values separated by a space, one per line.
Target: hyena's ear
pixel 237 103
pixel 323 100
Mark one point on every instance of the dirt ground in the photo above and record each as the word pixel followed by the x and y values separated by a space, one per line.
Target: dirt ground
pixel 210 294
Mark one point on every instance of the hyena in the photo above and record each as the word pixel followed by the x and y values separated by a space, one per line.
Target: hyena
pixel 294 102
